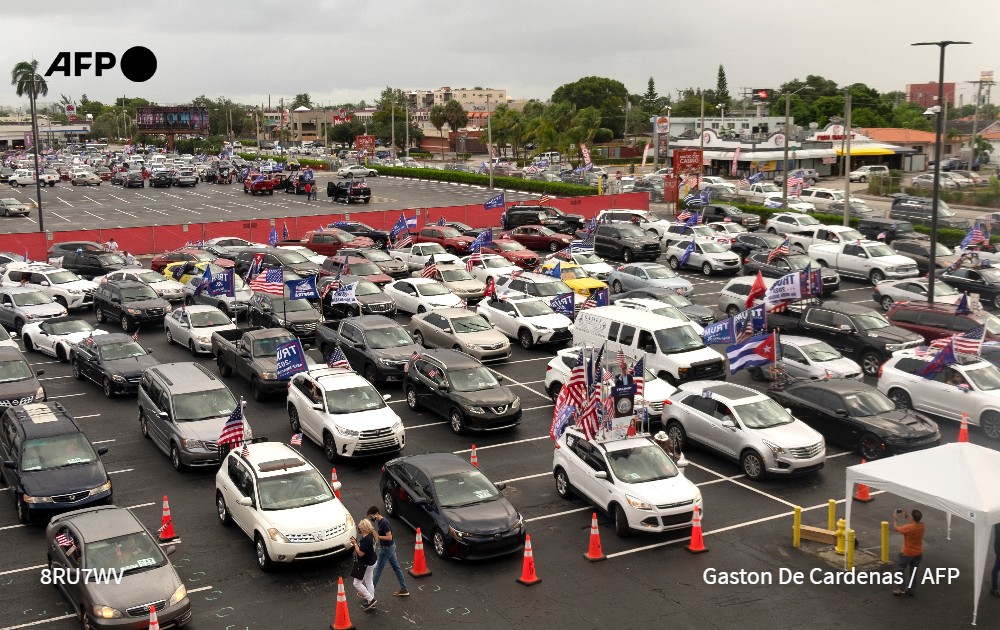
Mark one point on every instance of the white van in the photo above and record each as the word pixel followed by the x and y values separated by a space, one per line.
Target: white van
pixel 673 351
pixel 552 157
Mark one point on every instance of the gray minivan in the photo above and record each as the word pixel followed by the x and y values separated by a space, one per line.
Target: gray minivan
pixel 182 408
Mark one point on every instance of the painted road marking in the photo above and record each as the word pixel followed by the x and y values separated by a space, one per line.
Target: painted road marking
pixel 67 396
pixel 52 378
pixel 93 200
pixel 524 385
pixel 99 218
pixel 540 518
pixel 123 470
pixel 429 424
pixel 120 199
pixel 751 488
pixel 102 441
pixel 60 216
pixel 92 415
pixel 483 448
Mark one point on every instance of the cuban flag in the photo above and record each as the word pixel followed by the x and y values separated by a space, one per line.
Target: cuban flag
pixel 755 352
pixel 495 202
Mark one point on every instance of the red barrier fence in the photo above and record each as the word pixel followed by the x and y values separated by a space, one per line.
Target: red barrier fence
pixel 155 239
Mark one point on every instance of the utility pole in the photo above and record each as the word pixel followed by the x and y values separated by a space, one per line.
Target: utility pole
pixel 489 137
pixel 407 129
pixel 975 117
pixel 34 141
pixel 701 135
pixel 847 159
pixel 392 124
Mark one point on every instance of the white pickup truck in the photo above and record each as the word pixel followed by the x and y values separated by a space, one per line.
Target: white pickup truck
pixel 767 192
pixel 822 234
pixel 416 256
pixel 869 260
pixel 22 177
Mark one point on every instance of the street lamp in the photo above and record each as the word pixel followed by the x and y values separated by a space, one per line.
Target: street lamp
pixel 784 163
pixel 722 125
pixel 936 191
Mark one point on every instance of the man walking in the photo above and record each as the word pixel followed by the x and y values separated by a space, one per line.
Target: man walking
pixel 913 548
pixel 387 551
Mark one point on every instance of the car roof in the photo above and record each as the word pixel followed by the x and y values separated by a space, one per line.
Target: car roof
pixel 454 312
pixel 536 277
pixel 333 379
pixel 110 338
pixel 728 391
pixel 14 290
pixel 272 459
pixel 799 340
pixel 197 308
pixel 45 419
pixel 436 464
pixel 450 359
pixel 103 523
pixel 838 385
pixel 185 377
pixel 125 284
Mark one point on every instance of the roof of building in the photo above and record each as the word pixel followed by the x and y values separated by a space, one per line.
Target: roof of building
pixel 899 135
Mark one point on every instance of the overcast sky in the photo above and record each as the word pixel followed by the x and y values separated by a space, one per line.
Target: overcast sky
pixel 346 51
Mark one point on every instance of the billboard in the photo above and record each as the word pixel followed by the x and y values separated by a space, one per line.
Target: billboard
pixel 364 142
pixel 663 135
pixel 760 95
pixel 172 119
pixel 687 161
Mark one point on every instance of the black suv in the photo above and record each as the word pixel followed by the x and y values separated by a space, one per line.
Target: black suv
pixel 296 316
pixel 90 264
pixel 369 299
pixel 349 192
pixel 129 302
pixel 625 242
pixel 161 179
pixel 20 384
pixel 376 347
pixel 746 243
pixel 983 281
pixel 550 217
pixel 920 251
pixel 357 228
pixel 55 467
pixel 917 210
pixel 457 387
pixel 113 361
pixel 287 259
pixel 719 213
pixel 891 228
pixel 134 179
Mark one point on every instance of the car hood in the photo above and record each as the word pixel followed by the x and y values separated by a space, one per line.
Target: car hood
pixel 146 304
pixel 374 298
pixel 904 423
pixel 483 337
pixel 391 266
pixel 465 286
pixel 46 483
pixel 366 420
pixel 77 337
pixel 207 331
pixel 308 519
pixel 486 397
pixel 299 317
pixel 130 366
pixel 482 518
pixel 43 310
pixel 600 267
pixel 839 367
pixel 401 353
pixel 698 312
pixel 896 260
pixel 446 300
pixel 670 283
pixel 894 334
pixel 136 588
pixel 552 320
pixel 82 285
pixel 167 286
pixel 793 435
pixel 663 491
pixel 15 390
pixel 304 269
pixel 586 283
pixel 207 430
pixel 520 255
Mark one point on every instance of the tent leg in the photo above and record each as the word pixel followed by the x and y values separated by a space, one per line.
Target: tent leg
pixel 948 518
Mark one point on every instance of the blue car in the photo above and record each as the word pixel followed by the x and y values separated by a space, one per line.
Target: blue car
pixel 644 275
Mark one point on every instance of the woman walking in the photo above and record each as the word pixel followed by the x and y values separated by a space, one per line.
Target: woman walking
pixel 364 550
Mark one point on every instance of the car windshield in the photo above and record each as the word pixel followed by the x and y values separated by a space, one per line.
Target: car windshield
pixel 293 491
pixel 763 414
pixel 455 275
pixel 111 259
pixel 671 312
pixel 870 321
pixel 943 250
pixel 878 251
pixel 674 299
pixel 509 246
pixel 290 306
pixel 130 553
pixel 641 464
pixel 711 248
pixel 208 319
pixel 469 324
pixel 868 403
pixel 464 488
pixel 587 258
pixel 801 262
pixel 16 370
pixel 449 232
pixel 630 231
pixel 494 263
pixel 290 257
pixel 213 403
pixel 820 351
pixel 377 256
pixel 431 248
pixel 268 345
pixel 533 308
pixel 353 399
pixel 572 273
pixel 121 350
pixel 432 288
pixel 364 269
pixel 70 326
pixel 472 380
pixel 677 339
pixel 138 293
pixel 149 277
pixel 203 257
pixel 33 298
pixel 659 272
pixel 992 323
pixel 388 337
pixel 57 451
pixel 986 378
pixel 62 277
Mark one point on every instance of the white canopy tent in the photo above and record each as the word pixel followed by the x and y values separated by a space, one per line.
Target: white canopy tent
pixel 959 479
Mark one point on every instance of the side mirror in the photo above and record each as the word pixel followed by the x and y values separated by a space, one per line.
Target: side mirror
pixel 149 351
pixel 245 501
pixel 164 415
pixel 840 412
pixel 386 396
pixel 39 372
pixel 336 486
pixel 359 346
pixel 102 450
pixel 244 352
pixel 649 348
pixel 862 255
pixel 44 283
pixel 501 486
pixel 600 474
pixel 442 387
pixel 170 550
pixel 729 424
pixel 845 328
pixel 419 501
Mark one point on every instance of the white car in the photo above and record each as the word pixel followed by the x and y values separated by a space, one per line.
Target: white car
pixel 305 251
pixel 343 413
pixel 55 336
pixel 887 292
pixel 166 288
pixel 192 327
pixel 633 480
pixel 85 178
pixel 416 295
pixel 709 256
pixel 650 305
pixel 733 296
pixel 357 170
pixel 61 285
pixel 490 266
pixel 972 385
pixel 529 320
pixel 788 222
pixel 283 503
pixel 22 177
pixel 594 265
pixel 5 339
pixel 807 358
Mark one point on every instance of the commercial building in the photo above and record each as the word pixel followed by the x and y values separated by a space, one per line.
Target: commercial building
pixel 15 132
pixel 925 94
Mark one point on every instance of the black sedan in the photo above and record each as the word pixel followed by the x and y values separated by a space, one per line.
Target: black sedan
pixel 161 179
pixel 114 361
pixel 783 265
pixel 357 228
pixel 858 416
pixel 749 242
pixel 703 315
pixel 454 504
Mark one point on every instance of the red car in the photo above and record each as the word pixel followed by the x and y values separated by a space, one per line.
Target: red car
pixel 357 266
pixel 329 241
pixel 514 252
pixel 447 237
pixel 256 185
pixel 538 237
pixel 189 255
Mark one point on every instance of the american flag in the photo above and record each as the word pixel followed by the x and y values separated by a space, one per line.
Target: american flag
pixel 780 250
pixel 135 335
pixel 744 183
pixel 337 359
pixel 974 237
pixel 473 260
pixel 639 376
pixel 63 540
pixel 403 240
pixel 794 181
pixel 232 432
pixel 683 216
pixel 333 285
pixel 588 419
pixel 429 271
pixel 622 362
pixel 544 199
pixel 269 281
pixel 296 440
pixel 573 391
pixel 969 342
pixel 245 451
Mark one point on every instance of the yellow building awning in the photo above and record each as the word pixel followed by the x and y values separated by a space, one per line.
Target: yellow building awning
pixel 863 150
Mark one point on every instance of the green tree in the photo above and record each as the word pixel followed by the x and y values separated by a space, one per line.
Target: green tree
pixel 910 116
pixel 583 127
pixel 508 128
pixel 689 104
pixel 455 115
pixel 650 101
pixel 820 87
pixel 606 95
pixel 722 89
pixel 438 119
pixel 345 132
pixel 26 80
pixel 301 100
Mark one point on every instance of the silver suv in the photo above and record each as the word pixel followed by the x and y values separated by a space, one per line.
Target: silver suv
pixel 25 305
pixel 864 173
pixel 182 408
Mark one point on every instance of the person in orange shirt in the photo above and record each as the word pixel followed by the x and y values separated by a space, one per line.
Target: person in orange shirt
pixel 912 552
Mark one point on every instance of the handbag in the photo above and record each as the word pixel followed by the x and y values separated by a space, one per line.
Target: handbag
pixel 358 569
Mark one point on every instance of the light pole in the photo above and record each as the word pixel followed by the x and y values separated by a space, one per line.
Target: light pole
pixel 489 137
pixel 932 262
pixel 722 125
pixel 34 141
pixel 784 163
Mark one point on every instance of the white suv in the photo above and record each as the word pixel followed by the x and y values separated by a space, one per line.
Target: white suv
pixel 709 256
pixel 61 285
pixel 283 503
pixel 971 385
pixel 341 411
pixel 529 320
pixel 633 480
pixel 864 173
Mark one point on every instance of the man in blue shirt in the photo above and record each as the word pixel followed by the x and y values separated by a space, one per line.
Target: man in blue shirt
pixel 387 551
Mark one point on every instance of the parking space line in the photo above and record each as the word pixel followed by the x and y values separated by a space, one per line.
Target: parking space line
pixel 134 216
pixel 483 448
pixel 524 385
pixel 132 507
pixel 855 289
pixel 104 441
pixel 98 217
pixel 65 202
pixel 123 470
pixel 60 216
pixel 67 396
pixel 187 209
pixel 52 378
pixel 120 199
pixel 93 200
pixel 91 415
pixel 544 474
pixel 528 360
pixel 751 488
pixel 839 454
pixel 217 208
pixel 39 622
pixel 45 363
pixel 540 518
pixel 157 211
pixel 200 589
pixel 36 566
pixel 538 407
pixel 429 424
pixel 6 527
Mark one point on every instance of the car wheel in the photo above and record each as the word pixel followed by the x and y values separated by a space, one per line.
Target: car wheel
pixel 554 247
pixel 175 458
pixel 554 390
pixel 706 269
pixel 871 361
pixel 143 425
pixel 61 354
pixel 77 373
pixel 170 336
pixel 369 373
pixel 627 255
pixel 456 421
pixel 526 339
pixel 732 310
pixel 419 338
pixel 263 559
pixel 621 522
pixel 224 370
pixel 189 300
pixel 222 510
pixel 677 434
pixel 411 399
pixel 674 263
pixel 996 301
pixel 616 286
pixel 876 276
pixel 886 303
pixel 437 540
pixel 293 419
pixel 99 315
pixel 108 389
pixel 752 465
pixel 451 250
pixel 126 324
pixel 255 389
pixel 563 487
pixel 990 424
pixel 28 346
pixel 329 446
pixel 389 502
pixel 421 309
pixel 379 243
pixel 870 447
pixel 862 179
pixel 772 231
pixel 192 348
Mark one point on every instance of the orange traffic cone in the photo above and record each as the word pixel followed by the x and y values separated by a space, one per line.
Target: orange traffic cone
pixel 594 553
pixel 697 542
pixel 474 460
pixel 528 576
pixel 166 530
pixel 333 480
pixel 342 620
pixel 963 431
pixel 862 493
pixel 419 568
pixel 154 623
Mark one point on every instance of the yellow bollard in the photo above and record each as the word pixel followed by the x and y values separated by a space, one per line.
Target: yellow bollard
pixel 885 542
pixel 841 524
pixel 850 550
pixel 831 514
pixel 797 527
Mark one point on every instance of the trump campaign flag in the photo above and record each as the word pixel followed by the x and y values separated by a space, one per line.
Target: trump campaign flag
pixel 687 253
pixel 945 357
pixel 273 238
pixel 291 359
pixel 494 202
pixel 753 319
pixel 345 294
pixel 784 289
pixel 206 280
pixel 563 303
pixel 223 283
pixel 485 238
pixel 755 352
pixel 556 271
pixel 720 332
pixel 304 288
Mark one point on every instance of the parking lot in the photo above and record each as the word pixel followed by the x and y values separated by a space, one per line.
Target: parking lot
pixel 648 579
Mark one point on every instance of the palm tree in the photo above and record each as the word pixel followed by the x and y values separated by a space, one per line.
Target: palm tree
pixel 438 119
pixel 25 78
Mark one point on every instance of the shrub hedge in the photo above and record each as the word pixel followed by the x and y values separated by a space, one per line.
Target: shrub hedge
pixel 513 183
